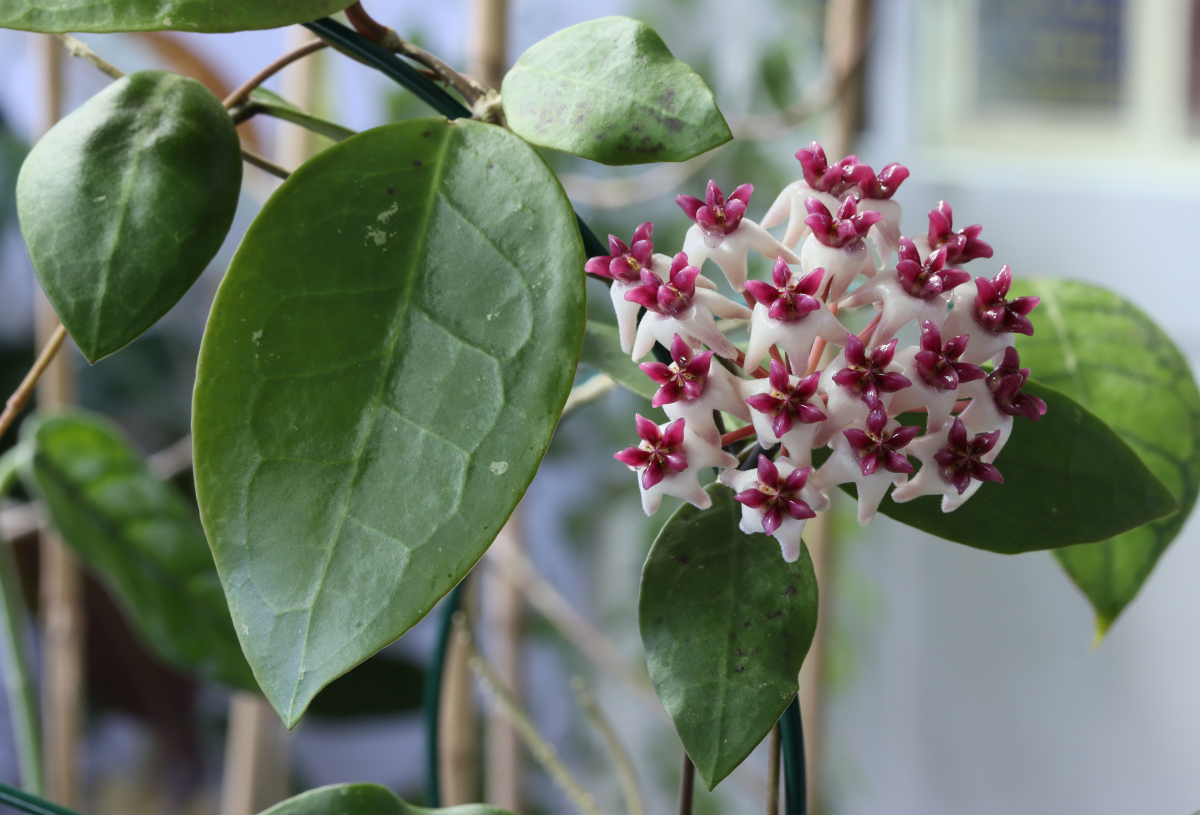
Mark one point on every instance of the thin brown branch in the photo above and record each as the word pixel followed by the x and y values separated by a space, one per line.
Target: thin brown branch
pixel 773 748
pixel 240 95
pixel 687 784
pixel 80 49
pixel 16 403
pixel 263 164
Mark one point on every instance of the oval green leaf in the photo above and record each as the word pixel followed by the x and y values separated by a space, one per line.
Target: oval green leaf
pixel 1068 479
pixel 1113 359
pixel 139 537
pixel 124 202
pixel 61 16
pixel 726 624
pixel 610 91
pixel 383 368
pixel 366 799
pixel 602 351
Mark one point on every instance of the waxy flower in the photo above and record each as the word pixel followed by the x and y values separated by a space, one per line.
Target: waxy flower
pixel 982 310
pixel 828 184
pixel 953 465
pixel 724 234
pixel 669 458
pixel 877 192
pixel 936 374
pixel 678 307
pixel 869 455
pixel 787 314
pixel 837 244
pixel 781 411
pixel 913 290
pixel 624 268
pixel 855 381
pixel 776 500
pixel 998 398
pixel 693 386
pixel 961 246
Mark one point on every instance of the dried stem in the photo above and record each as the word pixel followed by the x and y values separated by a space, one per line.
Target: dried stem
pixel 79 49
pixel 687 784
pixel 625 773
pixel 773 749
pixel 240 95
pixel 20 398
pixel 262 163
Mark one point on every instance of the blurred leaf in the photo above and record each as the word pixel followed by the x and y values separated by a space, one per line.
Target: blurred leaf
pixel 610 91
pixel 1068 478
pixel 1112 358
pixel 381 686
pixel 725 623
pixel 602 351
pixel 60 16
pixel 125 201
pixel 12 153
pixel 365 799
pixel 275 105
pixel 383 368
pixel 139 537
pixel 775 70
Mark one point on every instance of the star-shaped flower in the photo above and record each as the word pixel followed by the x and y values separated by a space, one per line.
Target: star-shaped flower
pixel 913 290
pixel 961 246
pixel 877 192
pixel 624 268
pixel 855 381
pixel 936 374
pixel 786 313
pixel 678 307
pixel 869 455
pixel 669 458
pixel 953 465
pixel 724 234
pixel 693 386
pixel 828 184
pixel 981 310
pixel 998 398
pixel 781 411
pixel 776 500
pixel 837 244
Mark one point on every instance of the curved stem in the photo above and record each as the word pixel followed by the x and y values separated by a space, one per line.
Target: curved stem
pixel 16 403
pixel 431 696
pixel 239 95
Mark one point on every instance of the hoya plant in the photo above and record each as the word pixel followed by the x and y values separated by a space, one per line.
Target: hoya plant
pixel 395 340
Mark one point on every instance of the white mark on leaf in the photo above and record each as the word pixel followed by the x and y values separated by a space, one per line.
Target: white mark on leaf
pixel 245 630
pixel 498 467
pixel 98 200
pixel 255 337
pixel 386 215
pixel 378 235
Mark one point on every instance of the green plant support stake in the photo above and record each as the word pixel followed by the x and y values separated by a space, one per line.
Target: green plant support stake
pixel 28 802
pixel 795 781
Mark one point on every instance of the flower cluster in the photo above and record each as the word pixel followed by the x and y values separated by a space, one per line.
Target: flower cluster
pixel 842 231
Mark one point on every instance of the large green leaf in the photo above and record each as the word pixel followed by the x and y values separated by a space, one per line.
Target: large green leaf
pixel 609 90
pixel 725 623
pixel 59 16
pixel 139 537
pixel 1068 478
pixel 1115 361
pixel 365 799
pixel 382 371
pixel 602 351
pixel 124 202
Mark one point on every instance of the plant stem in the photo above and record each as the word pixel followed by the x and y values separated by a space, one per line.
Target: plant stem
pixel 16 403
pixel 773 748
pixel 275 67
pixel 80 49
pixel 687 784
pixel 431 696
pixel 625 773
pixel 737 435
pixel 263 164
pixel 31 803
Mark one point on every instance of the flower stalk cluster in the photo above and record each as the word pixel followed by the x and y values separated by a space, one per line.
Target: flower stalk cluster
pixel 842 249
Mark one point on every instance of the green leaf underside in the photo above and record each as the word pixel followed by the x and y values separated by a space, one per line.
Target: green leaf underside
pixel 139 537
pixel 602 351
pixel 610 91
pixel 382 371
pixel 125 201
pixel 726 624
pixel 365 799
pixel 1113 359
pixel 61 16
pixel 1068 479
pixel 275 105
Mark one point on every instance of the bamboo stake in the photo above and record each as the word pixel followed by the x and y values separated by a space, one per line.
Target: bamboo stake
pixel 458 729
pixel 503 613
pixel 256 768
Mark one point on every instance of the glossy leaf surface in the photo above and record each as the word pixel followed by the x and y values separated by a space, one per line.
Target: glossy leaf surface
pixel 726 624
pixel 383 368
pixel 365 799
pixel 1068 478
pixel 602 351
pixel 139 537
pixel 59 16
pixel 125 201
pixel 1113 359
pixel 609 90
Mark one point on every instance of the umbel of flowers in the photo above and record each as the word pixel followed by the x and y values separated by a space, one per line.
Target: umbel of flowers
pixel 842 248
